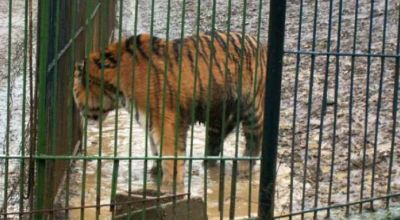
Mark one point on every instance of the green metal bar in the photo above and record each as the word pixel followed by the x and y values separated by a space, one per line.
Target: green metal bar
pixel 309 107
pixel 209 95
pixel 272 106
pixel 337 69
pixel 394 114
pixel 53 112
pixel 7 150
pixel 378 110
pixel 221 196
pixel 349 147
pixel 147 127
pixel 103 43
pixel 22 145
pixel 249 199
pixel 295 95
pixel 114 180
pixel 177 117
pixel 131 108
pixel 194 103
pixel 362 187
pixel 89 158
pixel 232 206
pixel 164 92
pixel 44 12
pixel 88 48
pixel 342 54
pixel 70 107
pixel 323 109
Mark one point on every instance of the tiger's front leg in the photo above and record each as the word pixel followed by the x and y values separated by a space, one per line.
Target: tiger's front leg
pixel 174 144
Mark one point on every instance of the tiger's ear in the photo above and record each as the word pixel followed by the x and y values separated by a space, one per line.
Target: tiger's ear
pixel 79 68
pixel 94 57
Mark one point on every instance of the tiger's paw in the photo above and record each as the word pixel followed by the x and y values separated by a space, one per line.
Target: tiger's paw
pixel 171 187
pixel 154 170
pixel 245 167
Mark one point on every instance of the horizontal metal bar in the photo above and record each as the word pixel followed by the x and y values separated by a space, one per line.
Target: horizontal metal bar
pixel 68 45
pixel 96 206
pixel 318 53
pixel 66 157
pixel 337 206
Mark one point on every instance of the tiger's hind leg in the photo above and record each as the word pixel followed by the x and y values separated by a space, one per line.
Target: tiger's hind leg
pixel 252 123
pixel 216 136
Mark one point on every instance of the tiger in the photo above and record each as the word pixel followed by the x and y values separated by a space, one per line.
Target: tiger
pixel 177 83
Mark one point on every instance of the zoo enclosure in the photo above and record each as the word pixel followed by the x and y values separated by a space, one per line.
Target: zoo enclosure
pixel 331 54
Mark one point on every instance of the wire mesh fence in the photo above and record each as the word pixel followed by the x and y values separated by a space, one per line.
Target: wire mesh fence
pixel 177 90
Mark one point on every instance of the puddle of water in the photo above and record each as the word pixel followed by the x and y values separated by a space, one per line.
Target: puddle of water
pixel 136 181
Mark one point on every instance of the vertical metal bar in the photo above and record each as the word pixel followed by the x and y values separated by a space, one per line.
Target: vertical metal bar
pixel 337 67
pixel 177 119
pixel 194 104
pixel 366 105
pixel 232 205
pixel 378 110
pixel 351 108
pixel 131 109
pixel 394 114
pixel 33 113
pixel 164 92
pixel 22 146
pixel 249 198
pixel 223 124
pixel 209 95
pixel 147 120
pixel 44 12
pixel 70 111
pixel 276 35
pixel 296 83
pixel 309 102
pixel 114 179
pixel 323 110
pixel 103 43
pixel 53 111
pixel 88 47
pixel 7 150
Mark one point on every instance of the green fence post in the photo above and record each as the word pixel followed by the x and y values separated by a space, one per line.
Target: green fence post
pixel 276 35
pixel 43 41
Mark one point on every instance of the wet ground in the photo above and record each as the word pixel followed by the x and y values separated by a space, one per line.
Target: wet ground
pixel 131 176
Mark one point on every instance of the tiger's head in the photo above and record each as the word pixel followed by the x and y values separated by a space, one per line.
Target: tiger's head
pixel 93 95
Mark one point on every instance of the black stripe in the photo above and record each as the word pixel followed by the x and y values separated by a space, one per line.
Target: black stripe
pixel 175 45
pixel 201 50
pixel 250 41
pixel 129 43
pixel 190 57
pixel 110 57
pixel 139 46
pixel 220 40
pixel 214 56
pixel 196 71
pixel 156 45
pixel 233 41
